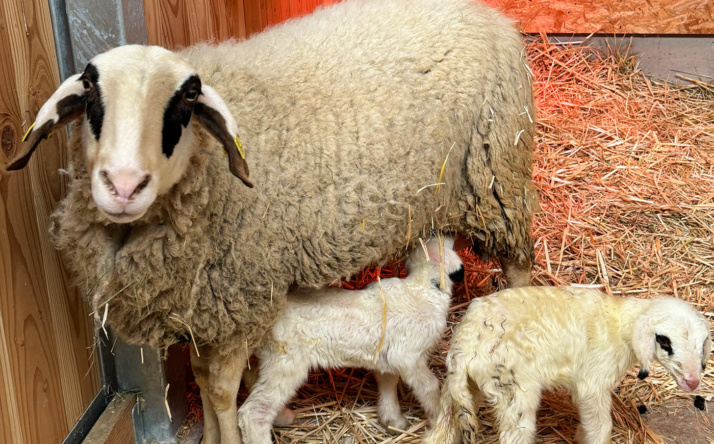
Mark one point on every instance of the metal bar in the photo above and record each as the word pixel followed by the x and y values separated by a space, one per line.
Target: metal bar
pixel 88 418
pixel 144 370
pixel 134 22
pixel 63 41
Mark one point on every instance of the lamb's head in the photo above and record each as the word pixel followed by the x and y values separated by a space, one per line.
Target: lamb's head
pixel 677 336
pixel 140 104
pixel 428 258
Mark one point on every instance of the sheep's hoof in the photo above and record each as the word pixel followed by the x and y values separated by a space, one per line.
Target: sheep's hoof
pixel 285 418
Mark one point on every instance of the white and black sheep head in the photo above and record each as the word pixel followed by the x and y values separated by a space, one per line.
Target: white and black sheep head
pixel 677 336
pixel 140 104
pixel 432 254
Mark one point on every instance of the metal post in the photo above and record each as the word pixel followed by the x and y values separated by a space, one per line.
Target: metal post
pixel 147 372
pixel 83 29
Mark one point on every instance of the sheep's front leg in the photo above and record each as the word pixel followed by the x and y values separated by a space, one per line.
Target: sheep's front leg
pixel 388 410
pixel 218 377
pixel 595 418
pixel 425 386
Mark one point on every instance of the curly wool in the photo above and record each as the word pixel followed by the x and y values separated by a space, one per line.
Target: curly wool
pixel 347 117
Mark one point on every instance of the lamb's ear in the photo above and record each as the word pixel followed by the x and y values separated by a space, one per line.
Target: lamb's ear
pixel 65 105
pixel 213 113
pixel 643 344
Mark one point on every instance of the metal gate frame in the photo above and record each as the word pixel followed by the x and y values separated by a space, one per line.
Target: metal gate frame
pixel 83 29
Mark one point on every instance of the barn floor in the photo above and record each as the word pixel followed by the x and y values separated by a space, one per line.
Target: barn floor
pixel 625 173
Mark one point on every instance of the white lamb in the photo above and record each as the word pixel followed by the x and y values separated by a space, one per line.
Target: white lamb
pixel 517 343
pixel 332 327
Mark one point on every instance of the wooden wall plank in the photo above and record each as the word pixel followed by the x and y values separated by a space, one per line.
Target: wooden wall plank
pixel 256 16
pixel 44 329
pixel 165 23
pixel 10 430
pixel 278 11
pixel 177 24
pixel 115 424
pixel 611 16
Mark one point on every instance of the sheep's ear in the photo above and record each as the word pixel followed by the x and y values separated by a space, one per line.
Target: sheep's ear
pixel 213 114
pixel 706 353
pixel 643 344
pixel 65 105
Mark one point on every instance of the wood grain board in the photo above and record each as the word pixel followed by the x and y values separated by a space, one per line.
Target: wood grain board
pixel 175 23
pixel 46 379
pixel 114 426
pixel 178 23
pixel 611 16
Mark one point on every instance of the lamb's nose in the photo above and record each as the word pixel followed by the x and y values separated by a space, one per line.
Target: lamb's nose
pixel 125 183
pixel 692 383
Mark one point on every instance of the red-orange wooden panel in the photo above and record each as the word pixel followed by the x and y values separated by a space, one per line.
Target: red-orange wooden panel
pixel 174 23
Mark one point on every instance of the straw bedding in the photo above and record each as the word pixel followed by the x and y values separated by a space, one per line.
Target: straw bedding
pixel 625 173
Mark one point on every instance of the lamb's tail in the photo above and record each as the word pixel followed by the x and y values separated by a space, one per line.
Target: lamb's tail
pixel 457 420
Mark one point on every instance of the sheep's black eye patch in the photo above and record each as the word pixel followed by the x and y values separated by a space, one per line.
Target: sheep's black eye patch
pixel 665 343
pixel 177 115
pixel 95 106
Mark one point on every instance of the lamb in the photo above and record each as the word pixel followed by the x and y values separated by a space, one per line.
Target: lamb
pixel 514 344
pixel 331 327
pixel 364 125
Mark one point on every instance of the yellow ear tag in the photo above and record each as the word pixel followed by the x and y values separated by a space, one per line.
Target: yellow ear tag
pixel 239 146
pixel 28 131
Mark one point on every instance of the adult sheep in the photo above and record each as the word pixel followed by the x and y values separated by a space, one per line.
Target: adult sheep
pixel 349 117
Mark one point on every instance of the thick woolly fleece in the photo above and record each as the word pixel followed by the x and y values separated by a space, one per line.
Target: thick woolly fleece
pixel 347 117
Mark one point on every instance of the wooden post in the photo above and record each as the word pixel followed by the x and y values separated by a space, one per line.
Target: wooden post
pixel 114 426
pixel 46 377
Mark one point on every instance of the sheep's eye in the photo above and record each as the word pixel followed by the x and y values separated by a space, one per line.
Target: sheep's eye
pixel 88 86
pixel 191 96
pixel 665 343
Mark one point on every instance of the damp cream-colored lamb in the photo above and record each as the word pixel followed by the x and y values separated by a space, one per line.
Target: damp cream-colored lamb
pixel 513 345
pixel 348 133
pixel 332 328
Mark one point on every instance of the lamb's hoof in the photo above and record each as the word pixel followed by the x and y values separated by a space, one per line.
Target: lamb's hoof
pixel 285 418
pixel 399 423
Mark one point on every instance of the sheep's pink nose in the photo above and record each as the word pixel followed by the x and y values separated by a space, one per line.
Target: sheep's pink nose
pixel 692 383
pixel 125 183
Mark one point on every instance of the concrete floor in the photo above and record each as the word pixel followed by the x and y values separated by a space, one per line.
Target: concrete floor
pixel 662 57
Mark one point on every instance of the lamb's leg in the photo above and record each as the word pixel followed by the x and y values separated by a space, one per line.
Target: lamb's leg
pixel 218 377
pixel 517 418
pixel 277 384
pixel 286 416
pixel 518 273
pixel 425 386
pixel 595 417
pixel 388 410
